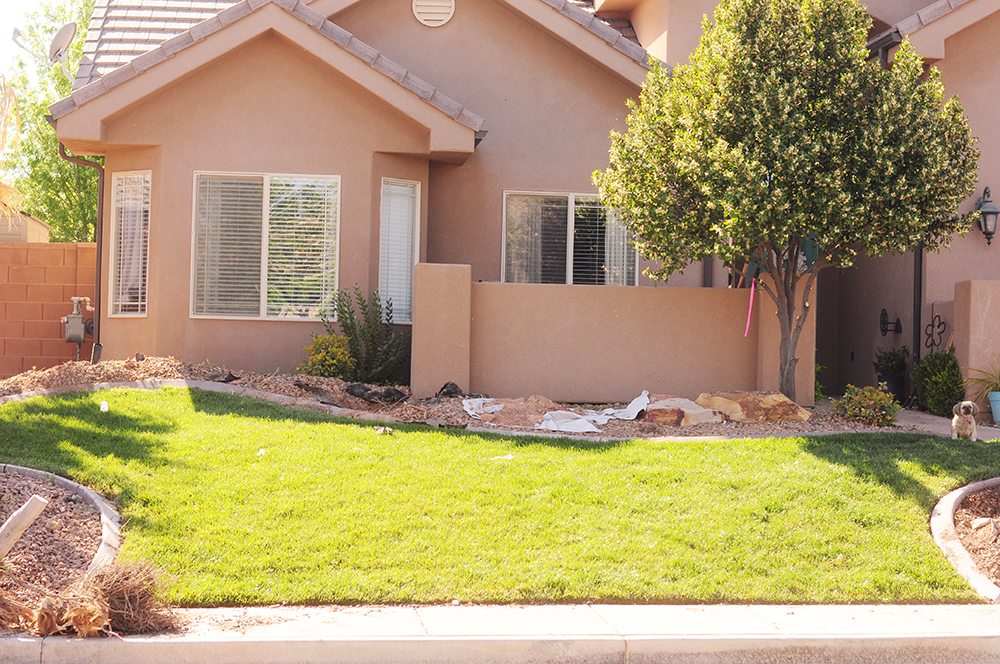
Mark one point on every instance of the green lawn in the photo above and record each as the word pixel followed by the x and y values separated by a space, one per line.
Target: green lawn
pixel 332 512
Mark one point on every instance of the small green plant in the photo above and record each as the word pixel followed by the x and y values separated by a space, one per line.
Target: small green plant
pixel 873 406
pixel 328 356
pixel 818 394
pixel 891 362
pixel 984 382
pixel 937 380
pixel 379 353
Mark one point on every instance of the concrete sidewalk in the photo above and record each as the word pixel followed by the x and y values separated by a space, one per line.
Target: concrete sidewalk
pixel 940 426
pixel 583 633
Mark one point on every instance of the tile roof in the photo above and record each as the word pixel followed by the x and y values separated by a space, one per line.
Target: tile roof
pixel 342 38
pixel 921 19
pixel 122 30
pixel 621 23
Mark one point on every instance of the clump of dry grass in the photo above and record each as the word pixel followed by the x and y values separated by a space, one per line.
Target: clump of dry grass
pixel 134 597
pixel 120 598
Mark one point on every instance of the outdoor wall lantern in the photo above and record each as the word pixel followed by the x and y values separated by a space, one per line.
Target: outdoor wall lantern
pixel 885 327
pixel 988 211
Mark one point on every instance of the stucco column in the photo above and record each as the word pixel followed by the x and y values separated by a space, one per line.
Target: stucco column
pixel 442 320
pixel 977 319
pixel 769 349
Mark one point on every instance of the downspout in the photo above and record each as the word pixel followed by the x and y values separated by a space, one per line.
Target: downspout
pixel 95 356
pixel 918 299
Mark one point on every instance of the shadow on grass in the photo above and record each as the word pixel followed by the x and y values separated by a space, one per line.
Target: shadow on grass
pixel 877 458
pixel 62 434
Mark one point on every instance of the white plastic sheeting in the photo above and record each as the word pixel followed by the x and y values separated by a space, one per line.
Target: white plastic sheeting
pixel 569 422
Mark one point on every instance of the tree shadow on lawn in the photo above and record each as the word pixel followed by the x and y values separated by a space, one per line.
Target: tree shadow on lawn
pixel 216 403
pixel 877 457
pixel 49 433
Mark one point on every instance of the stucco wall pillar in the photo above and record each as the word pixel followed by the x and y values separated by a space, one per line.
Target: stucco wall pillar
pixel 769 349
pixel 442 318
pixel 977 319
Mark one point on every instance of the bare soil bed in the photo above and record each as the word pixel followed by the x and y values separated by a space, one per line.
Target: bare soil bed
pixel 982 543
pixel 521 414
pixel 58 547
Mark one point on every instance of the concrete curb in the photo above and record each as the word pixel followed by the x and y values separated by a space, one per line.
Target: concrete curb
pixel 595 634
pixel 111 521
pixel 943 529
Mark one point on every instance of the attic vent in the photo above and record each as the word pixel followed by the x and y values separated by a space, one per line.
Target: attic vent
pixel 433 13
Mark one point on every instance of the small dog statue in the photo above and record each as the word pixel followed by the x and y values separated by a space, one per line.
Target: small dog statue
pixel 963 424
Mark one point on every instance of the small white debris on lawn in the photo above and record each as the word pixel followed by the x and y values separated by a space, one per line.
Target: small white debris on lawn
pixel 260 452
pixel 104 407
pixel 505 457
pixel 456 602
pixel 383 431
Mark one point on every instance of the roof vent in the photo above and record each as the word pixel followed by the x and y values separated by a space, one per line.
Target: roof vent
pixel 433 13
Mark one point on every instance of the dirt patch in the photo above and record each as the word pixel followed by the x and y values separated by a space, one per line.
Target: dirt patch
pixel 518 414
pixel 57 548
pixel 982 543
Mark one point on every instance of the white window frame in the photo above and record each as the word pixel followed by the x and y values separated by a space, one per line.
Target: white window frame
pixel 416 234
pixel 265 219
pixel 112 255
pixel 570 227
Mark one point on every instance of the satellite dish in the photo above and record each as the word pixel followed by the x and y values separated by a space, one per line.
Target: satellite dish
pixel 61 42
pixel 59 48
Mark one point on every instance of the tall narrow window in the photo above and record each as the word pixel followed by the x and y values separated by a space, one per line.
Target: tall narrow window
pixel 130 243
pixel 265 245
pixel 397 242
pixel 565 239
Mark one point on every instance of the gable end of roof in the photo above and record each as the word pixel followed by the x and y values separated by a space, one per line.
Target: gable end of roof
pixel 301 11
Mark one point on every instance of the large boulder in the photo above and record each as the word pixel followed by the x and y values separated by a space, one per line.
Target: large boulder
pixel 754 406
pixel 675 411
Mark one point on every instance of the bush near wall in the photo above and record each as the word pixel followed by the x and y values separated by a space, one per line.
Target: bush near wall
pixel 36 282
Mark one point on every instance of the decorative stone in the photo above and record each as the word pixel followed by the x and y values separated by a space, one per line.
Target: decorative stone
pixel 663 410
pixel 981 522
pixel 754 406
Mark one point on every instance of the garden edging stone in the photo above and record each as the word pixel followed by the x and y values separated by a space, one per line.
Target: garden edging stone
pixel 111 520
pixel 946 537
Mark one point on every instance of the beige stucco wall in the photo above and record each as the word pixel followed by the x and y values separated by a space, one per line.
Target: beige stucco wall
pixel 977 319
pixel 23 228
pixel 670 29
pixel 548 111
pixel 593 343
pixel 297 116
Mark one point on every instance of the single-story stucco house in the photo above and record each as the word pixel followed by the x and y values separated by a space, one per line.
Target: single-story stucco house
pixel 260 154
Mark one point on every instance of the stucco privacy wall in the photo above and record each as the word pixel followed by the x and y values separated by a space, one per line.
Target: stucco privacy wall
pixel 299 116
pixel 36 282
pixel 592 343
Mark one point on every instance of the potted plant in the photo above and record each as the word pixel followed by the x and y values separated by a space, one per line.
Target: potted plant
pixel 890 367
pixel 988 384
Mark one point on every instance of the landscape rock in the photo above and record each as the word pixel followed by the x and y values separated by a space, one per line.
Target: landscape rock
pixel 450 389
pixel 754 406
pixel 665 411
pixel 981 522
pixel 374 394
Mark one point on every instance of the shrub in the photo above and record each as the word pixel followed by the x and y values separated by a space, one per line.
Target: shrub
pixel 379 353
pixel 328 356
pixel 938 382
pixel 891 362
pixel 870 405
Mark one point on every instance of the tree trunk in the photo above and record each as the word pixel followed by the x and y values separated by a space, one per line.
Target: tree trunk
pixel 793 312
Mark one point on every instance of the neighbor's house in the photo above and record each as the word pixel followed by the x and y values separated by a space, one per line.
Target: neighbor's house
pixel 262 154
pixel 22 227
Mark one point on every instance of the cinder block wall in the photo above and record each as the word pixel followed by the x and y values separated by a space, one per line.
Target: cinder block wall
pixel 36 282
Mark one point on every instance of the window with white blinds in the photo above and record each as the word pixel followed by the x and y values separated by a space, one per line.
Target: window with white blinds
pixel 129 243
pixel 397 245
pixel 265 246
pixel 565 239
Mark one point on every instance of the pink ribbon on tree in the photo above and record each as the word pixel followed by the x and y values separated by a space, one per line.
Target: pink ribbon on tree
pixel 753 289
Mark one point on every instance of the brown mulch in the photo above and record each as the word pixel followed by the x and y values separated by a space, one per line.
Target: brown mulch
pixel 518 414
pixel 983 544
pixel 57 548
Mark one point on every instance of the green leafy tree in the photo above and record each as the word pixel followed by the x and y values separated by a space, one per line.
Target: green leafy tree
pixel 784 147
pixel 59 193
